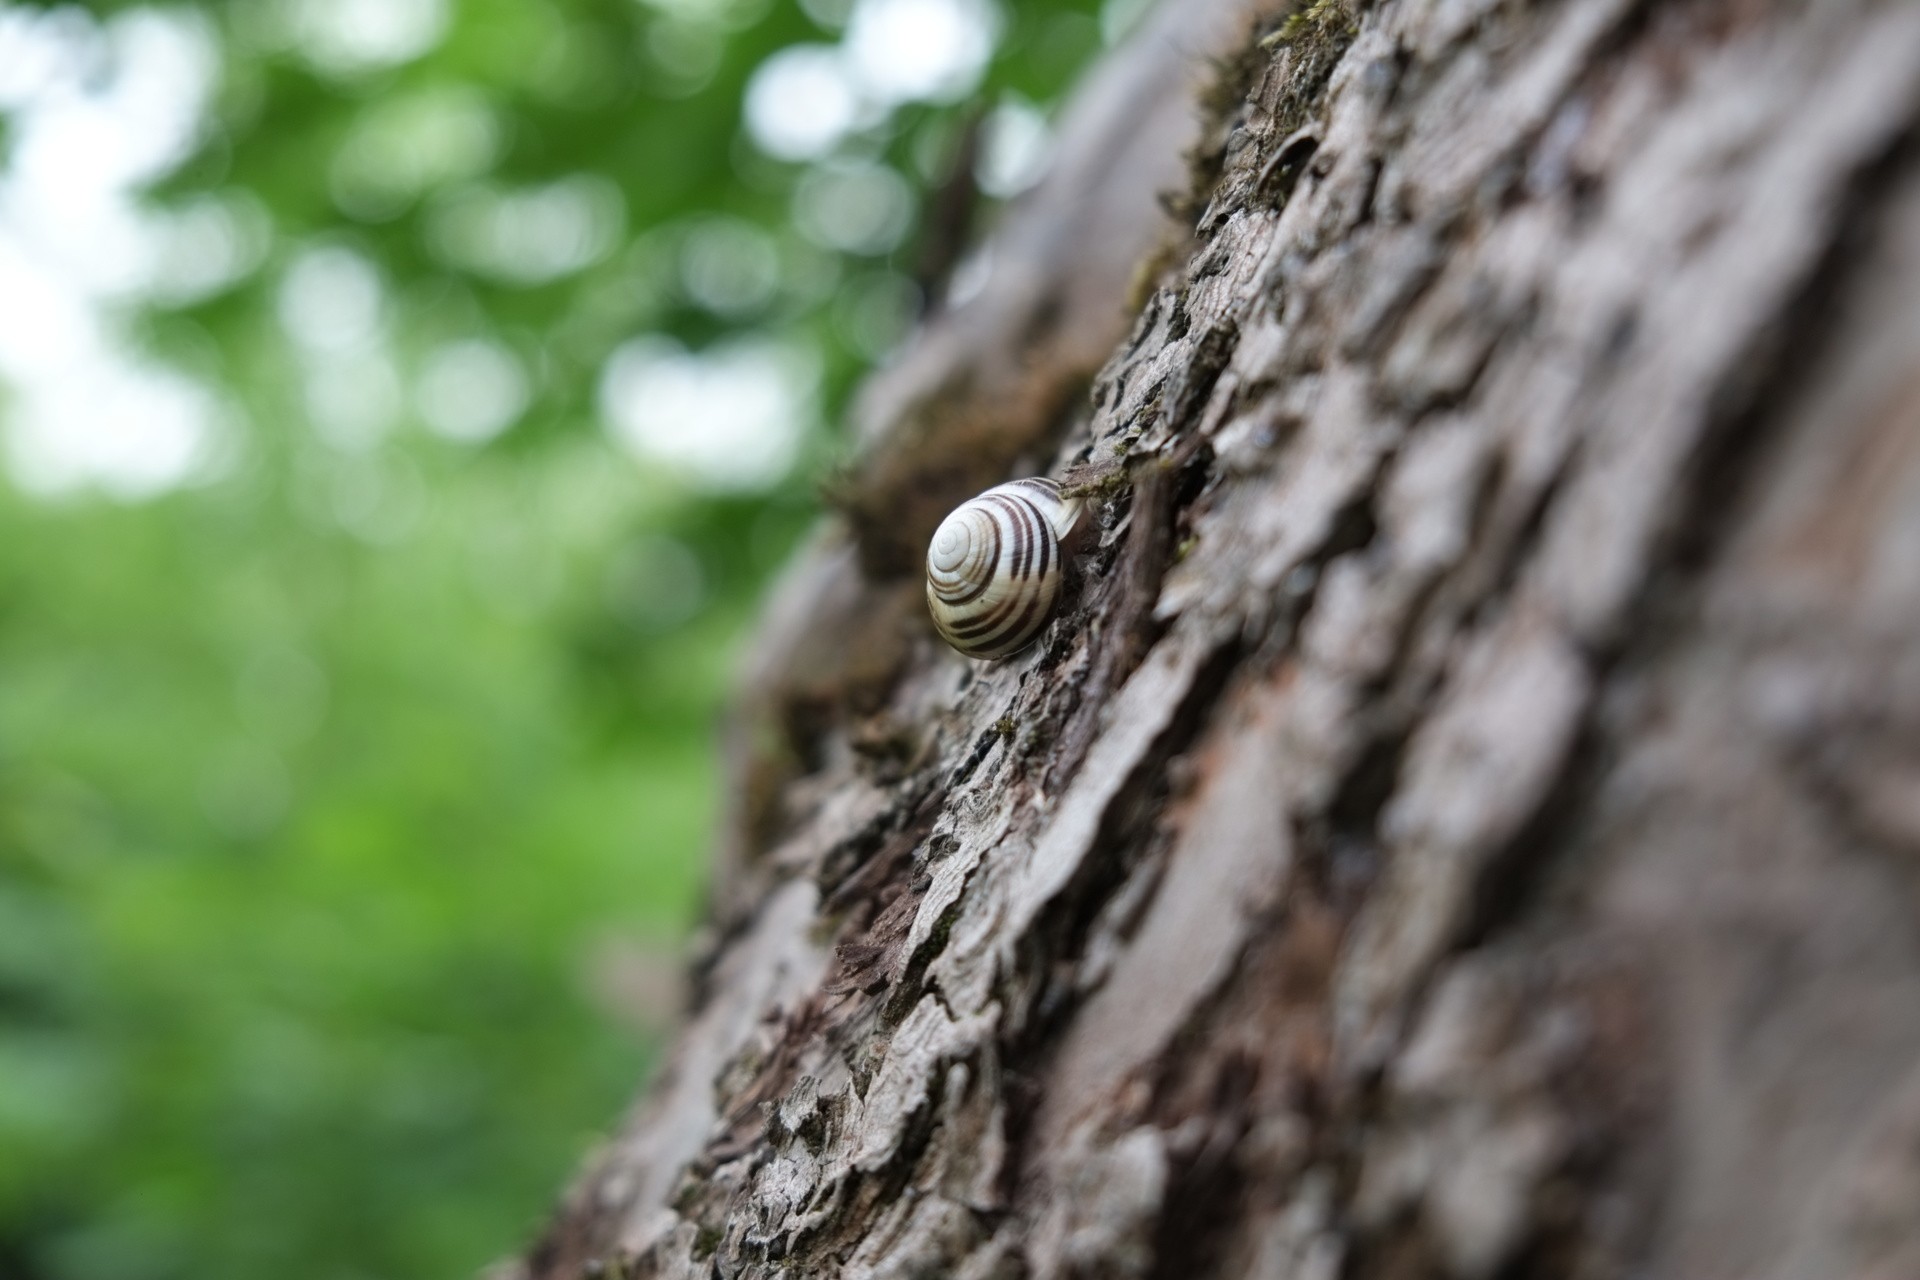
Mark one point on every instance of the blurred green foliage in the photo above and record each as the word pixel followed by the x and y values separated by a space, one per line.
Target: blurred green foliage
pixel 353 788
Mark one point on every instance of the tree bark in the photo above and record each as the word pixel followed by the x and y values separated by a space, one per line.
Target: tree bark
pixel 1466 819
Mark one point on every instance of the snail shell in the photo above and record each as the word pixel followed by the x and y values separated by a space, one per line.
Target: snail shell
pixel 993 568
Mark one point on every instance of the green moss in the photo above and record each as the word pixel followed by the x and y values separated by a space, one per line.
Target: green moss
pixel 706 1242
pixel 1321 22
pixel 1104 480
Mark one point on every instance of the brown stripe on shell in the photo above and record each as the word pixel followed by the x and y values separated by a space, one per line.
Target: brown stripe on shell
pixel 1022 601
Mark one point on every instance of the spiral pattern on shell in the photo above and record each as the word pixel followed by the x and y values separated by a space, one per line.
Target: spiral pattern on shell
pixel 993 568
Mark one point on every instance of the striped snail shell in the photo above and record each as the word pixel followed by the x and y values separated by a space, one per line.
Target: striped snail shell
pixel 993 568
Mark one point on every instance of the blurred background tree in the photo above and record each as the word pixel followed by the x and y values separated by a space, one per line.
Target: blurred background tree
pixel 401 403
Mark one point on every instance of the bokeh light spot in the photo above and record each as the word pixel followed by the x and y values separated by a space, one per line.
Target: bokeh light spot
pixel 531 235
pixel 352 37
pixel 729 267
pixel 685 56
pixel 206 245
pixel 353 399
pixel 402 147
pixel 854 206
pixel 729 417
pixel 1014 155
pixel 472 390
pixel 331 299
pixel 920 50
pixel 801 102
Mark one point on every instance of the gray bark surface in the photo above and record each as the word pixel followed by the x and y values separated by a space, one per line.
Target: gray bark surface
pixel 1466 819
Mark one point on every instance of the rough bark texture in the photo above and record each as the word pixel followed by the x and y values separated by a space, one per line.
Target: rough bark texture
pixel 1466 821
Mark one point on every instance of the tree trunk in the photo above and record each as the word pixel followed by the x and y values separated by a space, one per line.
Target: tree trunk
pixel 1465 820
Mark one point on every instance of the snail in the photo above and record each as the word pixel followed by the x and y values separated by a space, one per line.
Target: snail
pixel 993 568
